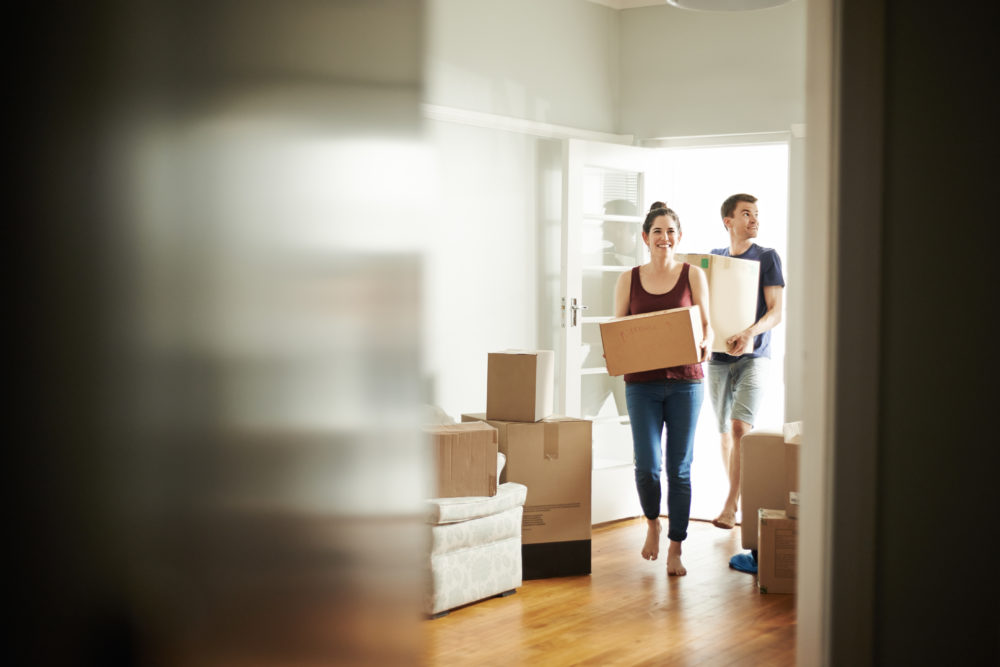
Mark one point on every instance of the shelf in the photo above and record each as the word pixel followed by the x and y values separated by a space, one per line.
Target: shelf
pixel 604 464
pixel 622 419
pixel 601 217
pixel 605 268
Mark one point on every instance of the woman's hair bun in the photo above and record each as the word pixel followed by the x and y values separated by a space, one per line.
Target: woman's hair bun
pixel 657 204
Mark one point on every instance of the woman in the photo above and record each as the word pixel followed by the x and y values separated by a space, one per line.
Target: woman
pixel 666 396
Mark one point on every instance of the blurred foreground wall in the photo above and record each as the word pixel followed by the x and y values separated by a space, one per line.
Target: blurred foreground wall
pixel 214 333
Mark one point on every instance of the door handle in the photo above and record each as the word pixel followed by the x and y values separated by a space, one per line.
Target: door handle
pixel 574 307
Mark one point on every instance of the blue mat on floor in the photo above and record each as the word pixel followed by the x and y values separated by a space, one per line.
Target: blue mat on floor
pixel 744 563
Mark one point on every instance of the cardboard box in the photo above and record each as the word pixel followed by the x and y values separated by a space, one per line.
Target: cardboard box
pixel 762 478
pixel 520 385
pixel 552 458
pixel 645 342
pixel 793 441
pixel 465 457
pixel 776 558
pixel 732 286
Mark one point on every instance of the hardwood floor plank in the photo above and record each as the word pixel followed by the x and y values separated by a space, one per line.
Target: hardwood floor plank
pixel 627 612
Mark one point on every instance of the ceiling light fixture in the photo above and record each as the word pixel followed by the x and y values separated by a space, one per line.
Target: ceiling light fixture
pixel 727 5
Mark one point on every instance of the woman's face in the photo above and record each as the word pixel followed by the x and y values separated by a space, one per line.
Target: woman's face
pixel 663 236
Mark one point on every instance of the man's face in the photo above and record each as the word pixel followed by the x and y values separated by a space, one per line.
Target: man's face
pixel 743 225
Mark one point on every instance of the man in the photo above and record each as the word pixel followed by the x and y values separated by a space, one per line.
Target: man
pixel 736 380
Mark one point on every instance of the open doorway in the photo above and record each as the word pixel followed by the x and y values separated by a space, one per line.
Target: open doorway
pixel 610 188
pixel 697 180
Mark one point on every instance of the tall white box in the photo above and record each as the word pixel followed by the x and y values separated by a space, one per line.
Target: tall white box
pixel 732 288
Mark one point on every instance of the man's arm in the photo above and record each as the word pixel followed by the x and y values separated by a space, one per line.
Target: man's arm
pixel 773 295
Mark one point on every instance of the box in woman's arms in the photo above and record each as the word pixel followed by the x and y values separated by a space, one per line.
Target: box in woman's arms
pixel 645 342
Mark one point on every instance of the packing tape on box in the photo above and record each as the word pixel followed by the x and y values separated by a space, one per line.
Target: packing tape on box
pixel 551 444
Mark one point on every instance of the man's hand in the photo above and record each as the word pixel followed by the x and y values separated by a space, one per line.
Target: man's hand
pixel 735 345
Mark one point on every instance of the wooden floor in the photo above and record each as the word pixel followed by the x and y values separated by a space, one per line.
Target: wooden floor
pixel 627 612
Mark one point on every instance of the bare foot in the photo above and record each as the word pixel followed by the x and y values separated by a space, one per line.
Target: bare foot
pixel 651 549
pixel 675 568
pixel 726 520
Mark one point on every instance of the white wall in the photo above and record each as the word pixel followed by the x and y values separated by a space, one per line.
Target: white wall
pixel 492 254
pixel 687 73
pixel 553 61
pixel 481 273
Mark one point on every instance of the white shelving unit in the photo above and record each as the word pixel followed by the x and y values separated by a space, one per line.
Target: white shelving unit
pixel 606 201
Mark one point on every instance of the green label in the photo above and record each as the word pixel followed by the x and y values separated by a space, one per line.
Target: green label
pixel 704 262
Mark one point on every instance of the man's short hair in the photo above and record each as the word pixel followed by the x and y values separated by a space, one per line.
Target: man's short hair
pixel 729 206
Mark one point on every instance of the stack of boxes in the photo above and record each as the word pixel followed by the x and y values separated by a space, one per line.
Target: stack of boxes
pixel 770 464
pixel 551 455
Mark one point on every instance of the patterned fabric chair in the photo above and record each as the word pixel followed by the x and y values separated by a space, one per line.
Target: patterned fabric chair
pixel 475 547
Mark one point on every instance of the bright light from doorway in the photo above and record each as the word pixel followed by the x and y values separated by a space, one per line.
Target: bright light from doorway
pixel 698 181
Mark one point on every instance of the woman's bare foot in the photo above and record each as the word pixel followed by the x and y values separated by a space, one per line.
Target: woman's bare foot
pixel 651 549
pixel 725 520
pixel 675 568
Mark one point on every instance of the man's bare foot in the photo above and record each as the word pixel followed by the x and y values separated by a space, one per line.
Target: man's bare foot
pixel 675 568
pixel 726 520
pixel 651 549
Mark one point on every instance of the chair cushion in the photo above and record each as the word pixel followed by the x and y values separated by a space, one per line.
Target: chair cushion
pixel 446 537
pixel 450 510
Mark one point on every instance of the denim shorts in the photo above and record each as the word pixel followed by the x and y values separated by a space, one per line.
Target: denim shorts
pixel 736 389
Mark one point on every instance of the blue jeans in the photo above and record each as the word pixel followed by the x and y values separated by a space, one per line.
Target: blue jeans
pixel 651 406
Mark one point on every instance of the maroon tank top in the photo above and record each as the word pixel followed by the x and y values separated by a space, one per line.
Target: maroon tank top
pixel 640 301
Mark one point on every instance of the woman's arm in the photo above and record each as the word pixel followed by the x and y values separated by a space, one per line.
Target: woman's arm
pixel 699 294
pixel 623 289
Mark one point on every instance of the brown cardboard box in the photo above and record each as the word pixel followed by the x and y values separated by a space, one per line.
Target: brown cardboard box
pixel 552 458
pixel 520 385
pixel 465 457
pixel 779 539
pixel 762 476
pixel 793 441
pixel 649 341
pixel 732 284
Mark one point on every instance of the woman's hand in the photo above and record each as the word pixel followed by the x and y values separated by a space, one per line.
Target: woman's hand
pixel 706 344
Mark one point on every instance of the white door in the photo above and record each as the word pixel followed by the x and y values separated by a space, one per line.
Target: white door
pixel 607 190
